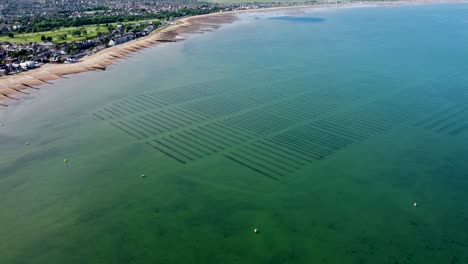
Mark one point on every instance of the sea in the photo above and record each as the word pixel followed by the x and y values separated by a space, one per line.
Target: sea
pixel 320 135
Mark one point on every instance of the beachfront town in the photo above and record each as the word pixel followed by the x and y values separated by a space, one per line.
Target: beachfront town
pixel 20 57
pixel 35 32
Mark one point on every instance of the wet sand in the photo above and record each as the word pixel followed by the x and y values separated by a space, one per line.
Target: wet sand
pixel 11 87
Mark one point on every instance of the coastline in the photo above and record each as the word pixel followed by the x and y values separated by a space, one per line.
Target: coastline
pixel 13 86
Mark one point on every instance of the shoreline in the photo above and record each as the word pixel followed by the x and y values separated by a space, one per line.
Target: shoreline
pixel 14 85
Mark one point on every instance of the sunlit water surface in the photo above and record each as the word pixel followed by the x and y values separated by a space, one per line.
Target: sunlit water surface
pixel 320 128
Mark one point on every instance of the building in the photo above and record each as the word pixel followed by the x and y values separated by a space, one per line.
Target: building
pixel 28 65
pixel 148 30
pixel 122 39
pixel 3 72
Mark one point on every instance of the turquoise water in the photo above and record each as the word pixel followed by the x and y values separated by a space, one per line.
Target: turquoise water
pixel 320 128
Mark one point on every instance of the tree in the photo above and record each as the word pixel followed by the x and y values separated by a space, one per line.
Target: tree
pixel 49 39
pixel 43 38
pixel 10 35
pixel 71 49
pixel 76 32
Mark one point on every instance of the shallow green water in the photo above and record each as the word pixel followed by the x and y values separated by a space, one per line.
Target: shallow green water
pixel 320 128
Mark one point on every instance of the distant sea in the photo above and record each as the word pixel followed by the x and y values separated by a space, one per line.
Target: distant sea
pixel 340 134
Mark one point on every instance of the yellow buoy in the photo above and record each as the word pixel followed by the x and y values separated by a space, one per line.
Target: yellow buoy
pixel 65 161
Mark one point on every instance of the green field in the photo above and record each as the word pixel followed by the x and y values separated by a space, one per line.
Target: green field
pixel 92 31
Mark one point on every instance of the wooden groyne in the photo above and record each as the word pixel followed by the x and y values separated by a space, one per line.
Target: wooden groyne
pixel 29 86
pixel 9 97
pixel 102 68
pixel 16 84
pixel 18 90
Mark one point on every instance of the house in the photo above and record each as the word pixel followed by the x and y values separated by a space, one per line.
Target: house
pixel 71 60
pixel 16 67
pixel 122 39
pixel 10 60
pixel 148 30
pixel 85 45
pixel 4 29
pixel 47 45
pixel 4 72
pixel 28 65
pixel 16 26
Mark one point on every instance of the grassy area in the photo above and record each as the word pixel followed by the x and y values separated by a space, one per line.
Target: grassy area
pixel 92 31
pixel 36 37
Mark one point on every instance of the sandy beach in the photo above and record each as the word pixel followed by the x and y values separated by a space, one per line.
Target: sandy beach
pixel 11 87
